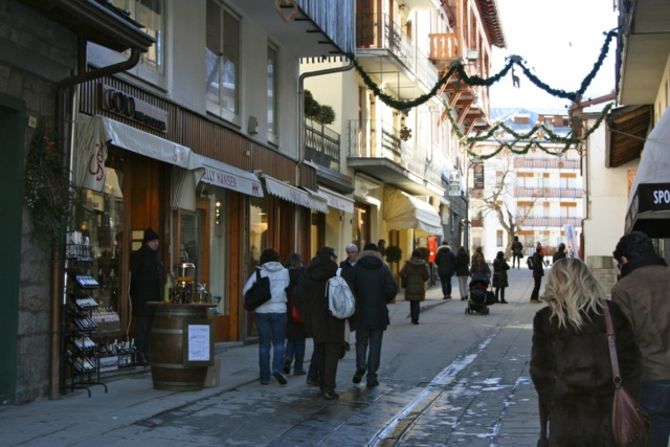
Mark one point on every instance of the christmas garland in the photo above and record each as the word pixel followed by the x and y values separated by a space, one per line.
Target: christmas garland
pixel 47 188
pixel 459 68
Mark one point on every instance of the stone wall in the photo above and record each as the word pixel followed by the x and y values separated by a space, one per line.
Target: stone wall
pixel 604 270
pixel 36 53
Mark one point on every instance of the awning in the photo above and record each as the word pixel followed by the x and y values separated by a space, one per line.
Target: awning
pixel 649 206
pixel 337 201
pixel 319 201
pixel 292 194
pixel 226 176
pixel 402 211
pixel 94 134
pixel 628 127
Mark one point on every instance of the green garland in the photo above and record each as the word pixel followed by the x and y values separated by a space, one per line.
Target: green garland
pixel 459 68
pixel 47 188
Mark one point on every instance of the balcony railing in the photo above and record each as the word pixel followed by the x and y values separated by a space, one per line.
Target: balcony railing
pixel 571 193
pixel 541 163
pixel 550 221
pixel 371 32
pixel 443 47
pixel 322 145
pixel 336 19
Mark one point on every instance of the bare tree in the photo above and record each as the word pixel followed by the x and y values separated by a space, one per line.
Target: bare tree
pixel 496 200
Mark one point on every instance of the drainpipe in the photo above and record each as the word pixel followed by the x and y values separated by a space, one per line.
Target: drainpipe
pixel 58 268
pixel 301 116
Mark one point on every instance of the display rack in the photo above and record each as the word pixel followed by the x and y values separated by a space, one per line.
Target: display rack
pixel 82 359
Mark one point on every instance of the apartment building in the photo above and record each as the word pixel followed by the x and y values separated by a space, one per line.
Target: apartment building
pixel 535 196
pixel 406 167
pixel 179 116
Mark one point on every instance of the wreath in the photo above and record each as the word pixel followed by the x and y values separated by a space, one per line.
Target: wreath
pixel 47 188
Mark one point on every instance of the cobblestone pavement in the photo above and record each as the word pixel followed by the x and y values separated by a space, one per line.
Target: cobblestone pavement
pixel 454 379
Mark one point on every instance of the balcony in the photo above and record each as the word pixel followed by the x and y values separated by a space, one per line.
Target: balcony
pixel 383 49
pixel 322 146
pixel 381 153
pixel 551 222
pixel 545 163
pixel 549 193
pixel 443 47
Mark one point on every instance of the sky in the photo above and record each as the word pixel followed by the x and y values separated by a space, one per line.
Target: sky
pixel 560 42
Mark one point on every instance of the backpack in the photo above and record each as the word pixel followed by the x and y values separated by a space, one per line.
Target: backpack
pixel 529 262
pixel 341 302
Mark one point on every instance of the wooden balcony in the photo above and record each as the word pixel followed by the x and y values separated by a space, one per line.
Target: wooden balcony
pixel 443 47
pixel 549 193
pixel 545 163
pixel 551 221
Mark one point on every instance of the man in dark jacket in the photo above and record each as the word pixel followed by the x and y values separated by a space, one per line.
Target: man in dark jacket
pixel 326 330
pixel 145 286
pixel 560 253
pixel 446 264
pixel 642 294
pixel 517 252
pixel 537 265
pixel 374 288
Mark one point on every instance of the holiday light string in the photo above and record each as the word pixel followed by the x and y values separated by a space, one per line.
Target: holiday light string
pixel 459 68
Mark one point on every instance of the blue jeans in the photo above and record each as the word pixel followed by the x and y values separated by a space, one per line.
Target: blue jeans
pixel 271 330
pixel 445 280
pixel 369 360
pixel 296 347
pixel 655 400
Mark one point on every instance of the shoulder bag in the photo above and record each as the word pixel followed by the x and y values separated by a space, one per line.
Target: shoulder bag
pixel 630 425
pixel 259 292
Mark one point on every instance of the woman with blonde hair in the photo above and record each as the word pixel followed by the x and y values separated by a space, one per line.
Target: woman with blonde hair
pixel 570 365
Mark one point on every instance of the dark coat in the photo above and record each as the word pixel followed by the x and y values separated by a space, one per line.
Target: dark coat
pixel 572 374
pixel 558 256
pixel 538 264
pixel 319 323
pixel 295 330
pixel 517 248
pixel 373 287
pixel 445 261
pixel 500 267
pixel 145 280
pixel 462 264
pixel 415 273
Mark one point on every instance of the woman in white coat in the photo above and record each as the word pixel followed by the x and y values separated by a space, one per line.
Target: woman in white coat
pixel 271 317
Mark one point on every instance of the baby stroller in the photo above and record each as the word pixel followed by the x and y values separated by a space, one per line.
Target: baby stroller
pixel 479 296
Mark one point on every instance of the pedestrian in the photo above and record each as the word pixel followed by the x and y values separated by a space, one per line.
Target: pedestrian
pixel 536 264
pixel 270 317
pixel 145 285
pixel 374 288
pixel 644 297
pixel 560 253
pixel 446 264
pixel 542 252
pixel 500 283
pixel 381 247
pixel 517 252
pixel 295 329
pixel 348 264
pixel 570 363
pixel 463 272
pixel 414 275
pixel 326 330
pixel 479 266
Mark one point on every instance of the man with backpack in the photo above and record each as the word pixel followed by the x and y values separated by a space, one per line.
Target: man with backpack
pixel 374 288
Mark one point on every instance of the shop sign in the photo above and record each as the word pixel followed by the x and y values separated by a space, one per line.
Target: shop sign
pixel 654 196
pixel 128 106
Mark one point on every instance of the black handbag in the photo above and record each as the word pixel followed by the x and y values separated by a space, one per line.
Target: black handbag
pixel 259 292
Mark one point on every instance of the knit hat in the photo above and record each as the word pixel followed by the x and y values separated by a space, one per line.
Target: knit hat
pixel 150 235
pixel 325 253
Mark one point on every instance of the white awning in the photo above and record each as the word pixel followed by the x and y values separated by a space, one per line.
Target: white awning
pixel 319 201
pixel 292 194
pixel 337 201
pixel 402 212
pixel 226 176
pixel 94 134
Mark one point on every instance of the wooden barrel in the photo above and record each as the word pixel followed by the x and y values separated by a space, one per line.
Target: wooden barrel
pixel 169 370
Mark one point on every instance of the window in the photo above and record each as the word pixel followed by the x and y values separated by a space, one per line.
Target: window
pixel 150 14
pixel 222 61
pixel 272 91
pixel 499 238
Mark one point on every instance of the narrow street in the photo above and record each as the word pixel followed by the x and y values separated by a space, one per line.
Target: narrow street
pixel 454 379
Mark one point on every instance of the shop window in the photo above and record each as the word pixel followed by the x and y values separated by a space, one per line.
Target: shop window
pixel 189 240
pixel 222 59
pixel 150 13
pixel 272 94
pixel 499 238
pixel 97 238
pixel 217 261
pixel 360 225
pixel 258 233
